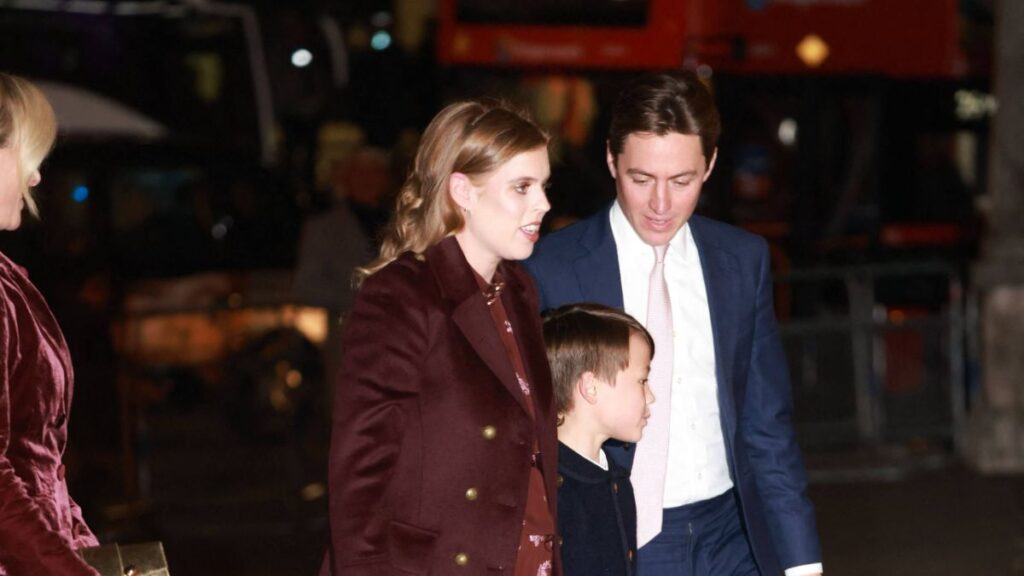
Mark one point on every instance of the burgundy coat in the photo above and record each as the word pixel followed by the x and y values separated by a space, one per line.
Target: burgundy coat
pixel 431 445
pixel 40 524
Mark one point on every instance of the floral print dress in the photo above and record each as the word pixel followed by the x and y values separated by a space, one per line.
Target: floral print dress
pixel 538 535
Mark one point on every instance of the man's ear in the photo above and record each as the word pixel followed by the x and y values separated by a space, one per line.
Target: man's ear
pixel 711 165
pixel 461 190
pixel 586 387
pixel 610 158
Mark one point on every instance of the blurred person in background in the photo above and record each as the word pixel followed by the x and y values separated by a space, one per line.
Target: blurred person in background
pixel 334 243
pixel 443 450
pixel 40 525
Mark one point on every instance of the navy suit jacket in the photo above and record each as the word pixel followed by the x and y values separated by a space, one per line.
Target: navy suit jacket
pixel 580 264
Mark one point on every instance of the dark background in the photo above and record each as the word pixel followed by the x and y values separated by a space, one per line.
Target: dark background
pixel 870 209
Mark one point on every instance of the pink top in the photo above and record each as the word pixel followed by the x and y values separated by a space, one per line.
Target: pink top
pixel 40 525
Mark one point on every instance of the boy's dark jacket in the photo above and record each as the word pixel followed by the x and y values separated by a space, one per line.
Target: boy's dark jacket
pixel 596 517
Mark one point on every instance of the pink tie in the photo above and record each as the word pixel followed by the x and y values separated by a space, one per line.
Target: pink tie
pixel 652 451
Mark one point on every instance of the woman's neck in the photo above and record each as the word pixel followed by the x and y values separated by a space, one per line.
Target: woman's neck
pixel 479 260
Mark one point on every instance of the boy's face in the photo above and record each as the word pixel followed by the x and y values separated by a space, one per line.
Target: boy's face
pixel 623 407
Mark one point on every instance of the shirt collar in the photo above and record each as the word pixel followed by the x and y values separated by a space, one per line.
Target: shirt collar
pixel 493 290
pixel 629 242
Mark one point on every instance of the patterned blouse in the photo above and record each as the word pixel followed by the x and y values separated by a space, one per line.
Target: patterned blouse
pixel 538 535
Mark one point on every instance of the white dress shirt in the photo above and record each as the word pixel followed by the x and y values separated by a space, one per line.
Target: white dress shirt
pixel 697 467
pixel 601 462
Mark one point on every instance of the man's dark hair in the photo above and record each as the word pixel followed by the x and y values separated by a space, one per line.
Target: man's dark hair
pixel 664 103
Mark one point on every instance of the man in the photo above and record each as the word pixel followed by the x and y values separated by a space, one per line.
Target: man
pixel 719 481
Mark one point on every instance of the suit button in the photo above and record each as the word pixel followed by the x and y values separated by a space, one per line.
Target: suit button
pixel 560 481
pixel 489 432
pixel 630 554
pixel 615 487
pixel 461 559
pixel 472 494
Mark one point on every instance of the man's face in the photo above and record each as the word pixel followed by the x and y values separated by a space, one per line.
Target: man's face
pixel 658 181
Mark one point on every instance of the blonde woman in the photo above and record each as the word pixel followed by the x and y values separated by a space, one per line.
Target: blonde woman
pixel 443 452
pixel 40 525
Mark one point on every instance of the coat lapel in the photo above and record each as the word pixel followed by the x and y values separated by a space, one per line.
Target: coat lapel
pixel 720 269
pixel 523 315
pixel 597 268
pixel 470 312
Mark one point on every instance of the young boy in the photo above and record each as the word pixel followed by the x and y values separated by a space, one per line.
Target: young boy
pixel 600 358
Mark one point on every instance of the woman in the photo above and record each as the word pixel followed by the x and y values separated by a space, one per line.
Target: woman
pixel 443 452
pixel 40 526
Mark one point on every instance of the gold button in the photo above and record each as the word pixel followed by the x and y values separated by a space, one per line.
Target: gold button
pixel 471 494
pixel 560 481
pixel 489 432
pixel 461 559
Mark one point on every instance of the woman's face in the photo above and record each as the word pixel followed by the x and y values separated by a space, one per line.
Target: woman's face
pixel 12 189
pixel 505 209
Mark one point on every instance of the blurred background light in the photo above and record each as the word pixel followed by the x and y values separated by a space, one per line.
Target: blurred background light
pixel 80 193
pixel 382 19
pixel 302 58
pixel 381 40
pixel 812 50
pixel 974 105
pixel 787 132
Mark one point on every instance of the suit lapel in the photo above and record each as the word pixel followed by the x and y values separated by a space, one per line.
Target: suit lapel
pixel 720 268
pixel 470 312
pixel 597 268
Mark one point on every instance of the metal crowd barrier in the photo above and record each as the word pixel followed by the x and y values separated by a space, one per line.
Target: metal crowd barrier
pixel 877 357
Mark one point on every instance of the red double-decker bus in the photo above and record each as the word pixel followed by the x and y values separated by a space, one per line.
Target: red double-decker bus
pixel 904 38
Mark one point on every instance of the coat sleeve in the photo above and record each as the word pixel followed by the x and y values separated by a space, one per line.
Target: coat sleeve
pixel 770 437
pixel 79 529
pixel 24 533
pixel 384 347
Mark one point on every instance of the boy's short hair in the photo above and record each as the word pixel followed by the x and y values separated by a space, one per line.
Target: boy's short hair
pixel 587 338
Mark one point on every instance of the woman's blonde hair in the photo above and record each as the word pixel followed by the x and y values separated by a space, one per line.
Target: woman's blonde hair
pixel 472 138
pixel 28 126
